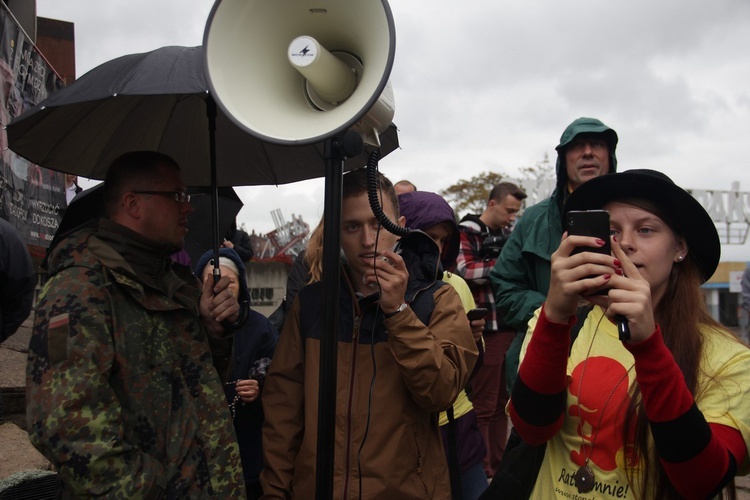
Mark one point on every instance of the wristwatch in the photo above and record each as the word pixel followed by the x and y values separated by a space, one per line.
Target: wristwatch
pixel 400 308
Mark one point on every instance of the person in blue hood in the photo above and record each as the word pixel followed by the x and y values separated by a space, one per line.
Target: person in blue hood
pixel 521 275
pixel 252 350
pixel 430 213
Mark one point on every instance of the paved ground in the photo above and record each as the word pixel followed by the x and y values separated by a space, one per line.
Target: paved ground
pixel 17 454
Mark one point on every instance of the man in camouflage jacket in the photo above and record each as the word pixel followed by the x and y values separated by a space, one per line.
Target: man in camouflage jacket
pixel 122 394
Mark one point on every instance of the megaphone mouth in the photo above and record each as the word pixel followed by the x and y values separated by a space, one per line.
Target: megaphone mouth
pixel 316 101
pixel 267 95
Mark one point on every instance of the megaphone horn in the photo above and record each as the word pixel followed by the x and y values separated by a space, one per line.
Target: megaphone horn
pixel 339 55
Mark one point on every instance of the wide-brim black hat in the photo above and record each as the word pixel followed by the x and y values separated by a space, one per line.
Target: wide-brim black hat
pixel 693 222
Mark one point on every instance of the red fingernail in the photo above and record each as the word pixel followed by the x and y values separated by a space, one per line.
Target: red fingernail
pixel 614 238
pixel 618 263
pixel 619 272
pixel 607 276
pixel 600 242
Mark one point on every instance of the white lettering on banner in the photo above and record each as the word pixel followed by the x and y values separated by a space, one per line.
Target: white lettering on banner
pixel 18 211
pixel 45 221
pixel 47 208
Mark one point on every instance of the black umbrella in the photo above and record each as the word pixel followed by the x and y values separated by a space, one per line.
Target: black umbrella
pixel 158 101
pixel 200 223
pixel 88 205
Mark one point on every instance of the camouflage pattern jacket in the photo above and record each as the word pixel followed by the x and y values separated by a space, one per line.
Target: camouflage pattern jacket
pixel 122 396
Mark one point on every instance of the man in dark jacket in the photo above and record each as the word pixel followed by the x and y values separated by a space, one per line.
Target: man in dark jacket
pixel 520 277
pixel 239 241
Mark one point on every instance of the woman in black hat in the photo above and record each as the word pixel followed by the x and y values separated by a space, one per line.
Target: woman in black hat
pixel 664 414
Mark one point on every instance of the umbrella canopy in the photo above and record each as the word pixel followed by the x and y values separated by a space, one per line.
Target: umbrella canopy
pixel 158 101
pixel 88 206
pixel 200 224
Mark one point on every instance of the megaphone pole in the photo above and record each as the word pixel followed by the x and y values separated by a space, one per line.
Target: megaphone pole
pixel 337 149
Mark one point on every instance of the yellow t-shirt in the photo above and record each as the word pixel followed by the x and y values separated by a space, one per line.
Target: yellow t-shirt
pixel 598 417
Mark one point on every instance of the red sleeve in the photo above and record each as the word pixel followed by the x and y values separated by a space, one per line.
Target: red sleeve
pixel 537 405
pixel 699 458
pixel 544 367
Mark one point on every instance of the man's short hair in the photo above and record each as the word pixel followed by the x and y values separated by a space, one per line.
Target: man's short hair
pixel 406 183
pixel 355 183
pixel 129 172
pixel 503 189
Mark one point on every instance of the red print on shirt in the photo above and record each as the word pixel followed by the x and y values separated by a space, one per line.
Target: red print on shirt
pixel 601 409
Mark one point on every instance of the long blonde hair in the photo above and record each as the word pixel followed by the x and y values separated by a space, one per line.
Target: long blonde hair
pixel 314 253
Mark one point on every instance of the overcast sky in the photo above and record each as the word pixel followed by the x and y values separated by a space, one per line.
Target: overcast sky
pixel 490 85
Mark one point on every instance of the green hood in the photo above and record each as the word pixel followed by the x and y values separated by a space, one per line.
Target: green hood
pixel 582 126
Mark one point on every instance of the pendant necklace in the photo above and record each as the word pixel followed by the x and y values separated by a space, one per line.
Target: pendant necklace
pixel 583 479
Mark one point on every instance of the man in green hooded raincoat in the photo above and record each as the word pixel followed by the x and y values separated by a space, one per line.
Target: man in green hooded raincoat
pixel 521 275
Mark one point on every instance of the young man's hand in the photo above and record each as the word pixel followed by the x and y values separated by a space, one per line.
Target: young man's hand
pixel 391 276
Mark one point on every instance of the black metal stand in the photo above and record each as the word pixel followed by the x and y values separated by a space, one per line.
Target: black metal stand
pixel 336 151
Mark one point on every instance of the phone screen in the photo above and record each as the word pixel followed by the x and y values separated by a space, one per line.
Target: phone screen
pixel 590 223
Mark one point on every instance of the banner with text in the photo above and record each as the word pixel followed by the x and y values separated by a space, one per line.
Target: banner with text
pixel 33 198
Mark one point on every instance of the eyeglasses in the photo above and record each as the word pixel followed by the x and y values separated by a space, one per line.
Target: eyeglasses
pixel 178 196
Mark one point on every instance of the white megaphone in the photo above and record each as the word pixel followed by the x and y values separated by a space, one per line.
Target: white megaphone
pixel 295 72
